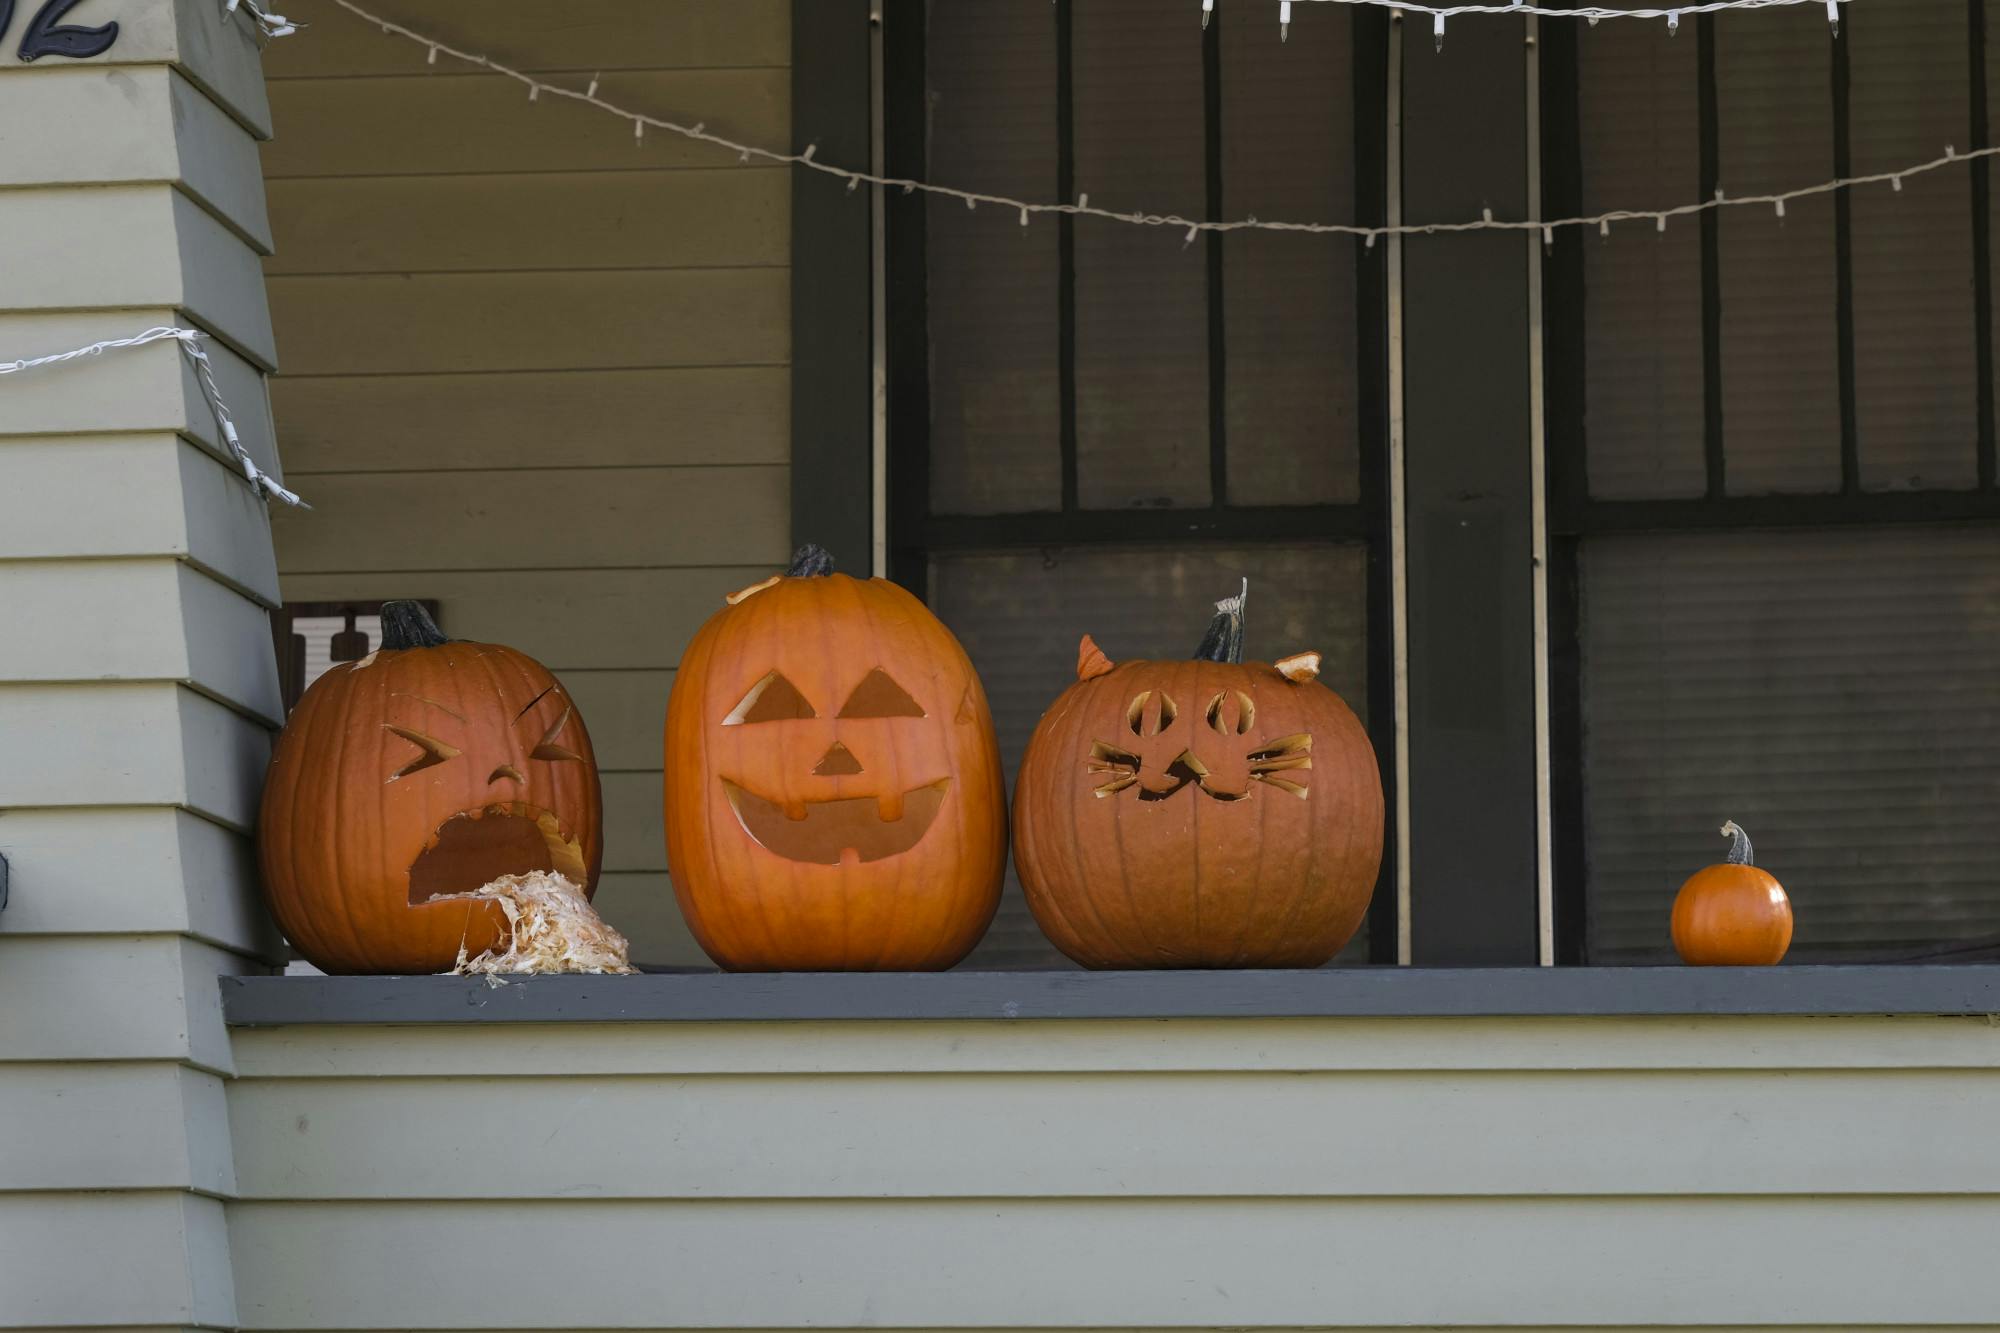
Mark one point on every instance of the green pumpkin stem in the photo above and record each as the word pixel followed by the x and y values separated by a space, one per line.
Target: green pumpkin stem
pixel 408 625
pixel 1740 852
pixel 810 562
pixel 1224 640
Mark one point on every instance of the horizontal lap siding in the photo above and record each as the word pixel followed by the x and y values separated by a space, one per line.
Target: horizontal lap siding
pixel 1336 1173
pixel 532 369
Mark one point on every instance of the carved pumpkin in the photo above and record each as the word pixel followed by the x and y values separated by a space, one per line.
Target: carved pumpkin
pixel 426 769
pixel 1733 914
pixel 1208 813
pixel 833 789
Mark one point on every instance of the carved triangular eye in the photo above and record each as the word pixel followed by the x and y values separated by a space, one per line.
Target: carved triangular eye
pixel 879 696
pixel 772 699
pixel 547 748
pixel 434 751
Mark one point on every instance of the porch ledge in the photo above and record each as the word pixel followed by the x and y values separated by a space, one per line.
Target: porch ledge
pixel 1333 993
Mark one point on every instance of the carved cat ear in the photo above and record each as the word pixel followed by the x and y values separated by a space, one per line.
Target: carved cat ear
pixel 1299 667
pixel 1090 660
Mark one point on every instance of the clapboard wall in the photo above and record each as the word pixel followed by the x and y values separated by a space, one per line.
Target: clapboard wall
pixel 137 688
pixel 532 369
pixel 1355 1173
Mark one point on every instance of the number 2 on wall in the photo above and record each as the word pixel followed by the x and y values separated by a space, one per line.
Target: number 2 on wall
pixel 45 38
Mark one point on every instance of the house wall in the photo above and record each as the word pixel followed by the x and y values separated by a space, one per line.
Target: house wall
pixel 533 370
pixel 1354 1173
pixel 137 690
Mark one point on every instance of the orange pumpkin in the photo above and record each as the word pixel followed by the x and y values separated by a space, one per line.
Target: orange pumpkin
pixel 426 769
pixel 1733 914
pixel 1208 813
pixel 833 789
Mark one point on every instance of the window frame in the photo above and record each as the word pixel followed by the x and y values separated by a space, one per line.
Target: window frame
pixel 1574 516
pixel 915 532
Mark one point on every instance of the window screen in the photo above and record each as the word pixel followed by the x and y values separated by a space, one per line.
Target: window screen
pixel 1832 350
pixel 1833 692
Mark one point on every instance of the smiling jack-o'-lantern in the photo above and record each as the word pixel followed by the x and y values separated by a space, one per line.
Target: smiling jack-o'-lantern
pixel 1209 813
pixel 833 791
pixel 425 770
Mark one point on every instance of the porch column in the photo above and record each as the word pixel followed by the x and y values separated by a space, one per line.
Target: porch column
pixel 138 691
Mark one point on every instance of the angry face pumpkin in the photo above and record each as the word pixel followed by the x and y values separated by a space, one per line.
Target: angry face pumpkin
pixel 426 769
pixel 1206 813
pixel 833 789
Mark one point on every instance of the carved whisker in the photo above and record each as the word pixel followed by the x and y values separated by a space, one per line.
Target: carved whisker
pixel 1280 763
pixel 1109 758
pixel 1284 745
pixel 1116 785
pixel 1281 784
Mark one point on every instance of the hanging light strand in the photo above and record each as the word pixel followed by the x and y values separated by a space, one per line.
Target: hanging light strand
pixel 1193 227
pixel 190 340
pixel 1593 13
pixel 268 24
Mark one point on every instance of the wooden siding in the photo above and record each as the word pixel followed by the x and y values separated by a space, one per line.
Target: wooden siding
pixel 137 690
pixel 1307 1173
pixel 531 369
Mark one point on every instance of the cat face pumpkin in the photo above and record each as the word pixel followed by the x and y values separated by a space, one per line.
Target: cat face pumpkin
pixel 1203 813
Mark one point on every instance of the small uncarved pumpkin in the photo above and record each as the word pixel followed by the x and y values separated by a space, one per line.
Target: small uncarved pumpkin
pixel 834 799
pixel 1732 914
pixel 1209 813
pixel 427 769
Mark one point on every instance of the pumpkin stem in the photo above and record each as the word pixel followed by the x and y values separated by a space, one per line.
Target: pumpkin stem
pixel 1739 844
pixel 1224 640
pixel 408 625
pixel 810 562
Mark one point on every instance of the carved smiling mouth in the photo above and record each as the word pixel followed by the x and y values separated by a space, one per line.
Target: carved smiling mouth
pixel 475 847
pixel 831 829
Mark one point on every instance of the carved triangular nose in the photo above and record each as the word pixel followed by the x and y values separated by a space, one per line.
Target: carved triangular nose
pixel 837 762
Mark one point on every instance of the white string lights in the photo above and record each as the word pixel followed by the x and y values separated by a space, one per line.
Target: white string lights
pixel 1194 227
pixel 1593 13
pixel 190 340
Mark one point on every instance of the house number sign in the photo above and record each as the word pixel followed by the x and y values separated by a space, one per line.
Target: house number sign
pixel 48 35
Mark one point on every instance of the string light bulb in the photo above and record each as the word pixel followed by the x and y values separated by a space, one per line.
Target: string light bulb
pixel 1207 13
pixel 1437 30
pixel 1833 16
pixel 1284 20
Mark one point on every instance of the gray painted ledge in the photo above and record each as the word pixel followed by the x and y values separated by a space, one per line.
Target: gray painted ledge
pixel 1333 993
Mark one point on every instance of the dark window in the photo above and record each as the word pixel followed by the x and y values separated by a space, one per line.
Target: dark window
pixel 1104 426
pixel 1777 562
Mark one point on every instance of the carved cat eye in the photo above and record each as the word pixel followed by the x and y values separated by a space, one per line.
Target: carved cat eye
pixel 772 699
pixel 1141 725
pixel 879 696
pixel 1246 713
pixel 433 750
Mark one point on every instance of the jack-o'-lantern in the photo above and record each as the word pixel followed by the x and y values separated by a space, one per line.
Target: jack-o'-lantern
pixel 1207 813
pixel 1733 914
pixel 833 791
pixel 426 769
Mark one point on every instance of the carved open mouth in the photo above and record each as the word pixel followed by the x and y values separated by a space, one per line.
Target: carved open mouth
pixel 832 829
pixel 475 847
